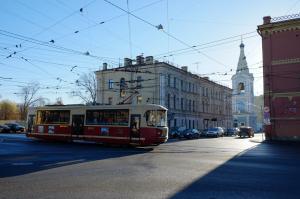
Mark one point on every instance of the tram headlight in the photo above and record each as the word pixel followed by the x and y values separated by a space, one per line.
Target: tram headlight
pixel 163 132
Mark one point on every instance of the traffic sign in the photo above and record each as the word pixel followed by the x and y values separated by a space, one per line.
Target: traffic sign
pixel 266 109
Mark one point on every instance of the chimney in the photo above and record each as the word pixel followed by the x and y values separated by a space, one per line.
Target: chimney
pixel 127 62
pixel 104 66
pixel 149 60
pixel 139 60
pixel 267 19
pixel 184 68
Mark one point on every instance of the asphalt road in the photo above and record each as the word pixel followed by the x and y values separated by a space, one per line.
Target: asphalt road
pixel 205 168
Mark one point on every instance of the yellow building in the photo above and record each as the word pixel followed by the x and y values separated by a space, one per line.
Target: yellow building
pixel 192 101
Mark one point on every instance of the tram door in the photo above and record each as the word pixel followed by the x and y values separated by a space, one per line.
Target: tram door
pixel 135 123
pixel 77 124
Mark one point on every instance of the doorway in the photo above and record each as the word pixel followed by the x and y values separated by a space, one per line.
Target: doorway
pixel 135 123
pixel 77 124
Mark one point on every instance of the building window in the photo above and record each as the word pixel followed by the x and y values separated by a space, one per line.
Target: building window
pixel 190 86
pixel 175 122
pixel 168 100
pixel 169 80
pixel 190 105
pixel 110 84
pixel 193 106
pixel 241 87
pixel 175 82
pixel 181 85
pixel 139 82
pixel 110 100
pixel 174 101
pixel 123 87
pixel 181 103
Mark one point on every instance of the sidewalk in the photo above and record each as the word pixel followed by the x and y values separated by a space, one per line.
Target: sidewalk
pixel 258 138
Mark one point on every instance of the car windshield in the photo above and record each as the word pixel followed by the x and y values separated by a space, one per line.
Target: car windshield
pixel 245 129
pixel 213 129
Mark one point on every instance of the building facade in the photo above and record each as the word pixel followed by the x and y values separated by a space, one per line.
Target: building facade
pixel 243 94
pixel 192 101
pixel 281 69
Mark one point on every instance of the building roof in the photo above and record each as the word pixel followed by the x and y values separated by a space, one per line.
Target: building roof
pixel 165 64
pixel 278 24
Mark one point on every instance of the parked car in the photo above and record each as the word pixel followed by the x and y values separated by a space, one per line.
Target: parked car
pixel 174 133
pixel 232 131
pixel 195 133
pixel 4 129
pixel 14 127
pixel 190 134
pixel 215 132
pixel 246 131
pixel 203 133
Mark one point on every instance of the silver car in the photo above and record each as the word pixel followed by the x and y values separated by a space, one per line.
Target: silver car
pixel 215 132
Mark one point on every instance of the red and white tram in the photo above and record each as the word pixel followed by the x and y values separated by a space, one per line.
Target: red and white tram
pixel 119 124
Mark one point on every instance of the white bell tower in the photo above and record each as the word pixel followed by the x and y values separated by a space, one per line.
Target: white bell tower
pixel 243 94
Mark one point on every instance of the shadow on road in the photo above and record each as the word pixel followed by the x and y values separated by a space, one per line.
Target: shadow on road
pixel 23 157
pixel 265 171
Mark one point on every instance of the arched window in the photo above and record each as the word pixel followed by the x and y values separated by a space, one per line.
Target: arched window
pixel 241 87
pixel 123 86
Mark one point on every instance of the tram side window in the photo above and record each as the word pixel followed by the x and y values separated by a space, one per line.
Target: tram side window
pixel 53 117
pixel 107 117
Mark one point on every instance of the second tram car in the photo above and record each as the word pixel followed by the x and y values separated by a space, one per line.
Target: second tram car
pixel 119 124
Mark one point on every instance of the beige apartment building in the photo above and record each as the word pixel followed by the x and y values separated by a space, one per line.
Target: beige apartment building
pixel 192 101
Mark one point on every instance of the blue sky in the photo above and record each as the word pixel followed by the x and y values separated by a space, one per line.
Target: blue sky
pixel 194 22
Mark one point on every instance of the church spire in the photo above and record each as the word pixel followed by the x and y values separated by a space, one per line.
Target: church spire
pixel 242 64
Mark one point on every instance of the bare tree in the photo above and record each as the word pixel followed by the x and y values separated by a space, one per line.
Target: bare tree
pixel 29 98
pixel 86 88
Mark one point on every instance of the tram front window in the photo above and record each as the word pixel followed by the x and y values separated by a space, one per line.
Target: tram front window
pixel 156 118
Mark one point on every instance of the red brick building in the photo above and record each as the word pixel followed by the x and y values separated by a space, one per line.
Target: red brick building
pixel 281 69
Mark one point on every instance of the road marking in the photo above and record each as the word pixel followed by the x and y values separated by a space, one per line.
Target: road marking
pixel 22 163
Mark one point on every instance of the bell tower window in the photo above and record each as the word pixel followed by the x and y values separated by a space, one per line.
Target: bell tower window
pixel 241 87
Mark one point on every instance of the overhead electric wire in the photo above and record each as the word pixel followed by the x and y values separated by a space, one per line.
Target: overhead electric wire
pixel 159 27
pixel 64 18
pixel 104 21
pixel 42 43
pixel 57 22
pixel 207 43
pixel 188 51
pixel 129 29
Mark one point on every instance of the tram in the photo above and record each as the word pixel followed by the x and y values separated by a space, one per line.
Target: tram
pixel 113 124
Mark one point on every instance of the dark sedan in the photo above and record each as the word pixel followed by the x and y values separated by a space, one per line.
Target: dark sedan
pixel 232 131
pixel 14 127
pixel 4 129
pixel 246 131
pixel 190 134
